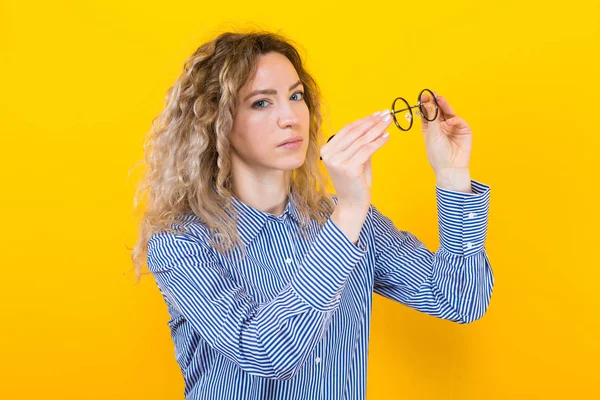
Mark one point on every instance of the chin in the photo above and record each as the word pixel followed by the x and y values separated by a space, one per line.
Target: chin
pixel 293 163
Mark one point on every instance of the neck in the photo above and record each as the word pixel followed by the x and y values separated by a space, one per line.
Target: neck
pixel 266 191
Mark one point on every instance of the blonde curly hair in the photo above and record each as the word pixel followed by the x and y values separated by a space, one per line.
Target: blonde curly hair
pixel 187 151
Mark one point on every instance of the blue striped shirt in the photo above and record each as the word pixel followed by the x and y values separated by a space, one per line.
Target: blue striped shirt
pixel 291 319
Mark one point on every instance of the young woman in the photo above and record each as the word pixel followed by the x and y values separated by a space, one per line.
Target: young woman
pixel 268 279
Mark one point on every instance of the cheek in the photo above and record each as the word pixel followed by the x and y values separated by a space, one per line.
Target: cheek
pixel 256 135
pixel 305 116
pixel 251 139
pixel 247 144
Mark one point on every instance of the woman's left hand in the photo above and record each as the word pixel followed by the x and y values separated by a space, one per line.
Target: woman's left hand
pixel 447 139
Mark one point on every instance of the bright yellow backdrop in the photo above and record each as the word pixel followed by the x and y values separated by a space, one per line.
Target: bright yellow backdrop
pixel 81 81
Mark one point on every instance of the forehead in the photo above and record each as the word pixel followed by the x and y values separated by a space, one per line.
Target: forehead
pixel 273 70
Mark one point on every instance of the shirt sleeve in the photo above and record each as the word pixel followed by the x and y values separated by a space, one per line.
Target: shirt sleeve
pixel 271 339
pixel 454 283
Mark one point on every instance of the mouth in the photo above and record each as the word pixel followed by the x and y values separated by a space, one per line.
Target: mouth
pixel 292 141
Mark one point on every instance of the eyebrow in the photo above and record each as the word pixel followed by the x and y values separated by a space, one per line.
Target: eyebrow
pixel 269 91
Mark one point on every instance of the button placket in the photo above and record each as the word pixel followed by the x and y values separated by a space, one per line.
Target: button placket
pixel 289 259
pixel 318 352
pixel 320 367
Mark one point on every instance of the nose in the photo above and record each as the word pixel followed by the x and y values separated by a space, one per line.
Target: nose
pixel 288 116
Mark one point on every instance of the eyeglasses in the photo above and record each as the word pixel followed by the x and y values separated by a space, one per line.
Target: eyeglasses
pixel 405 122
pixel 428 114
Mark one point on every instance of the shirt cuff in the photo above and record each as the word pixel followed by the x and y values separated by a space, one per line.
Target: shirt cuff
pixel 462 218
pixel 323 273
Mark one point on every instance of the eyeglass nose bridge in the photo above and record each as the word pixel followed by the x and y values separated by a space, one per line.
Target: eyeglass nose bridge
pixel 408 107
pixel 418 111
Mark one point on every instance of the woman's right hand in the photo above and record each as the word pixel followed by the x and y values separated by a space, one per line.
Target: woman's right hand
pixel 347 157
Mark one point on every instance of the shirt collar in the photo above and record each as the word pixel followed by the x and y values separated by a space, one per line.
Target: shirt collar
pixel 252 220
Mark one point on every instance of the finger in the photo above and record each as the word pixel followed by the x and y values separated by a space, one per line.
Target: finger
pixel 429 106
pixel 346 137
pixel 339 140
pixel 352 125
pixel 367 151
pixel 367 137
pixel 445 107
pixel 456 125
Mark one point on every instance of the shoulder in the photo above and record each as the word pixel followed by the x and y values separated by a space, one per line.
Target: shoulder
pixel 191 238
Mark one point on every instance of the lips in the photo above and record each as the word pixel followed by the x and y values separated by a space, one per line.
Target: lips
pixel 291 140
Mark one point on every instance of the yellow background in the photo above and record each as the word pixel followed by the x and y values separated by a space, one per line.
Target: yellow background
pixel 81 81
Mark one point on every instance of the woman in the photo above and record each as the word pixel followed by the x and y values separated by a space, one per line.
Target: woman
pixel 268 279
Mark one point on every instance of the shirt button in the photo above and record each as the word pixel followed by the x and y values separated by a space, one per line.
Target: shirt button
pixel 472 215
pixel 469 245
pixel 288 260
pixel 318 360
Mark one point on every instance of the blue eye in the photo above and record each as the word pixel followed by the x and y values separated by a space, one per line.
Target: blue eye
pixel 301 93
pixel 258 102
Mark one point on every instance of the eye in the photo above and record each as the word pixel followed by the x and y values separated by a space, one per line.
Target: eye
pixel 258 102
pixel 300 93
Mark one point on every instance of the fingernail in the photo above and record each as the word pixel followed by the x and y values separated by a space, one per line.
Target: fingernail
pixel 385 135
pixel 387 117
pixel 375 113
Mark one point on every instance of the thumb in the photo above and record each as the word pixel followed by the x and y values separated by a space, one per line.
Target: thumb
pixel 427 107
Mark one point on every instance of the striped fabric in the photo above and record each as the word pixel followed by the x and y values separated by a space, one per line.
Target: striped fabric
pixel 291 319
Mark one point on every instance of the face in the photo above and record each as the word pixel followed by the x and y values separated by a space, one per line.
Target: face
pixel 265 120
